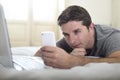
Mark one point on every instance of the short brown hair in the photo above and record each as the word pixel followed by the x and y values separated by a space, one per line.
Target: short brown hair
pixel 75 13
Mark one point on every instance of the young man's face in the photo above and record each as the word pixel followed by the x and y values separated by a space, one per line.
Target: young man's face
pixel 76 34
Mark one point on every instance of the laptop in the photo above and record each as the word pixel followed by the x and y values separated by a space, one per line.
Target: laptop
pixel 7 59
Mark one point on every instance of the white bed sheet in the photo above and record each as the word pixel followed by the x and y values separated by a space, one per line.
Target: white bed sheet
pixel 27 51
pixel 92 71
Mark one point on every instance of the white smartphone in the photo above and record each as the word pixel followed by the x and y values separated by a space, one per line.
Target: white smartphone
pixel 48 38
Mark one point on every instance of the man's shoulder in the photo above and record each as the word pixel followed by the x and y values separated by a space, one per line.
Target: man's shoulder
pixel 105 30
pixel 104 33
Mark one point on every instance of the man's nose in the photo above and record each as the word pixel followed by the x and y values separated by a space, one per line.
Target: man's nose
pixel 72 39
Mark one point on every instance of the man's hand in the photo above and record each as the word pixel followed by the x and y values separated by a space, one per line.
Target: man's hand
pixel 58 58
pixel 79 52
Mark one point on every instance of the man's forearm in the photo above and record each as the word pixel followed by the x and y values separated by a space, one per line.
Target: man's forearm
pixel 99 60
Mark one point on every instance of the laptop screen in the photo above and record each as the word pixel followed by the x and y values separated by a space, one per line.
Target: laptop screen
pixel 5 51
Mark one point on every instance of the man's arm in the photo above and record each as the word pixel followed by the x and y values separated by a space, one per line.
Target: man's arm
pixel 58 58
pixel 112 58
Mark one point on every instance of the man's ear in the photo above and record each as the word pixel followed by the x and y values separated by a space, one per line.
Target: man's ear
pixel 91 26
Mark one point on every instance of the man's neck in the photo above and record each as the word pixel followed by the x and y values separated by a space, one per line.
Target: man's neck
pixel 92 40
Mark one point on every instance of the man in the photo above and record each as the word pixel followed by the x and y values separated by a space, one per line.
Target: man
pixel 81 39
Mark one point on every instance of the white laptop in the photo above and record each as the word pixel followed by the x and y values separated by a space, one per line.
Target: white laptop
pixel 6 57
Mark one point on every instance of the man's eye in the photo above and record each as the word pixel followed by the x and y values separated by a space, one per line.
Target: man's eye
pixel 65 35
pixel 78 31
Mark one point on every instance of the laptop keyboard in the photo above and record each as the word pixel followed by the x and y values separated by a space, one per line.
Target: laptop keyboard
pixel 29 62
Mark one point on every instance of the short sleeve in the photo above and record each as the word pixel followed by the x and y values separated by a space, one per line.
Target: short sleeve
pixel 112 44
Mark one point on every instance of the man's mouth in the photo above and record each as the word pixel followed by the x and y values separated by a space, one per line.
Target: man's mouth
pixel 77 46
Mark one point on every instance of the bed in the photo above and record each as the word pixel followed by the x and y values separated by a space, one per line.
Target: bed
pixel 27 51
pixel 92 71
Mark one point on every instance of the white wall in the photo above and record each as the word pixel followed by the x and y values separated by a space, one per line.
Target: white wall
pixel 116 13
pixel 100 10
pixel 25 30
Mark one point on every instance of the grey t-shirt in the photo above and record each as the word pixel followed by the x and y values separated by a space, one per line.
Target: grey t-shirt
pixel 107 40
